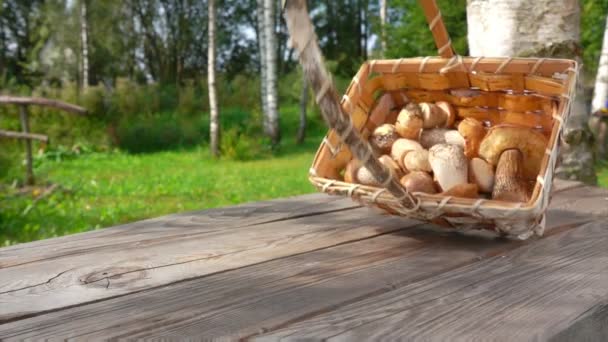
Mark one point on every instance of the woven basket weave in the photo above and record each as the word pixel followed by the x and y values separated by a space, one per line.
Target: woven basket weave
pixel 523 91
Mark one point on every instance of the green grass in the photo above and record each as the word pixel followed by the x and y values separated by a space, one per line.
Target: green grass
pixel 602 174
pixel 106 189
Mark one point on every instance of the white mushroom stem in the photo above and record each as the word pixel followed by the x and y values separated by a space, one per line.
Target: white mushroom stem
pixel 449 165
pixel 510 184
pixel 482 174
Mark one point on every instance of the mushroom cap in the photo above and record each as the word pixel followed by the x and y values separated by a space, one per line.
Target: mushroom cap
pixel 432 115
pixel 449 111
pixel 383 137
pixel 365 177
pixel 482 174
pixel 387 161
pixel 418 181
pixel 467 190
pixel 453 137
pixel 417 160
pixel 409 121
pixel 402 146
pixel 434 136
pixel 473 132
pixel 531 143
pixel 449 165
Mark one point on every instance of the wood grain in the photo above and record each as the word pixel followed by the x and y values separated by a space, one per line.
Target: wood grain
pixel 29 289
pixel 531 293
pixel 243 302
pixel 182 225
pixel 269 295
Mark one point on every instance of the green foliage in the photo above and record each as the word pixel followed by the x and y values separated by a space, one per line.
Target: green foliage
pixel 103 189
pixel 593 24
pixel 408 34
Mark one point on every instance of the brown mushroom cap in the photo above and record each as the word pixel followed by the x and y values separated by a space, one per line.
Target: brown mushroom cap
pixel 418 181
pixel 387 161
pixel 383 137
pixel 417 160
pixel 402 146
pixel 449 111
pixel 473 132
pixel 531 143
pixel 432 115
pixel 409 122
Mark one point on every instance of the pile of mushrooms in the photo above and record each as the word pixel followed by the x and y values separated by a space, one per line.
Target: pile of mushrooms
pixel 432 153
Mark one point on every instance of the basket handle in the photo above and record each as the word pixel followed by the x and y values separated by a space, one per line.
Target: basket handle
pixel 437 27
pixel 304 40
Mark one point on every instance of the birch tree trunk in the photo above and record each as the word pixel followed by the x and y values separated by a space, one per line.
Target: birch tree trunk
pixel 599 123
pixel 541 28
pixel 213 106
pixel 303 104
pixel 271 122
pixel 262 54
pixel 383 27
pixel 600 92
pixel 84 41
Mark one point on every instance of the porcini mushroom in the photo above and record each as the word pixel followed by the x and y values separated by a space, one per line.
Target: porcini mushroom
pixel 409 122
pixel 449 165
pixel 434 136
pixel 383 138
pixel 482 174
pixel 400 147
pixel 418 181
pixel 387 161
pixel 473 132
pixel 462 190
pixel 432 115
pixel 365 177
pixel 417 160
pixel 449 112
pixel 530 143
pixel 510 184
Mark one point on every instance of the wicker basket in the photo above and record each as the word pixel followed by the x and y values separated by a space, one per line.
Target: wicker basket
pixel 524 91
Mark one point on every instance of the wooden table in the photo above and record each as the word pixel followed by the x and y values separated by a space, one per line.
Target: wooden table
pixel 314 266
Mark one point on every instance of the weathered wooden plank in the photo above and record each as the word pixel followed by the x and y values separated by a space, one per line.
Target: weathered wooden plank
pixel 23 135
pixel 243 302
pixel 29 289
pixel 266 296
pixel 531 293
pixel 40 101
pixel 189 224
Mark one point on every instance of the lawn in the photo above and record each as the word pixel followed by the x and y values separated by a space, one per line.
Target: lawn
pixel 103 189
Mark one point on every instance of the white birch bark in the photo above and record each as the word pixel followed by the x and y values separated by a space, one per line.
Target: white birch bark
pixel 383 27
pixel 84 41
pixel 600 92
pixel 262 54
pixel 540 28
pixel 213 105
pixel 599 123
pixel 271 124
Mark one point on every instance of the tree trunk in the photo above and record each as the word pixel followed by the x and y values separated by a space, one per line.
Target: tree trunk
pixel 538 28
pixel 303 104
pixel 271 124
pixel 598 122
pixel 383 28
pixel 84 41
pixel 213 105
pixel 262 53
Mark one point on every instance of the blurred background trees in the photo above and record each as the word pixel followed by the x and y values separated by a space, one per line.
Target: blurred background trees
pixel 140 66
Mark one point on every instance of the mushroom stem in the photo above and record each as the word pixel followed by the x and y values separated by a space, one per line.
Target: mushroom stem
pixel 509 183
